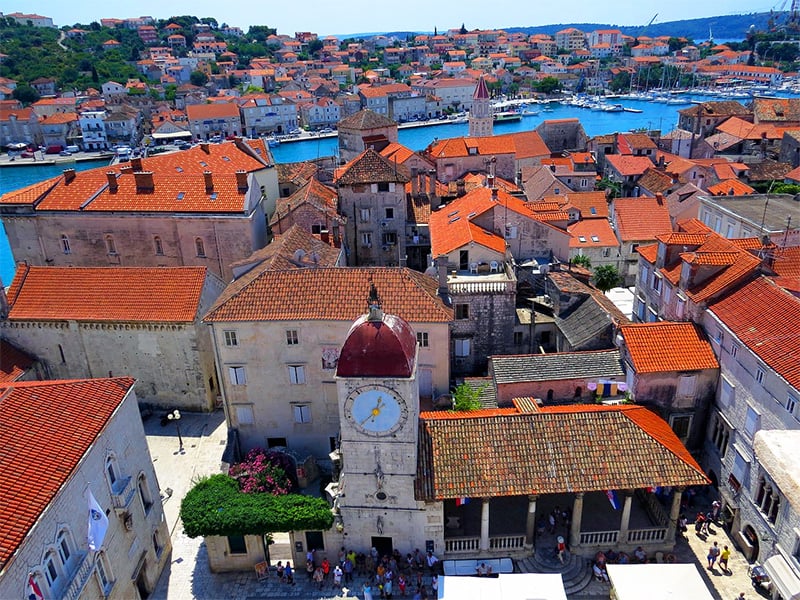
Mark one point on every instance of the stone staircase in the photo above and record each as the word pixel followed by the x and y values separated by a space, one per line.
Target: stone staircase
pixel 576 572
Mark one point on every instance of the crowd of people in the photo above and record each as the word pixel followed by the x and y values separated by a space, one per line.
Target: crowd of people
pixel 415 576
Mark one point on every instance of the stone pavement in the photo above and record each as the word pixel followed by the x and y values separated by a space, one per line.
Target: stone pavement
pixel 187 576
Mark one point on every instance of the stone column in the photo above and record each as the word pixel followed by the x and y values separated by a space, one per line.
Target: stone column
pixel 530 522
pixel 626 518
pixel 674 514
pixel 485 525
pixel 575 528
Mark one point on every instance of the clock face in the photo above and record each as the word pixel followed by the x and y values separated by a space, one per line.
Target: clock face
pixel 375 410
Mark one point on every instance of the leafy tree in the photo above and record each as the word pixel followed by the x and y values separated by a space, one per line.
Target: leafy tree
pixel 621 81
pixel 466 397
pixel 264 472
pixel 607 184
pixel 582 260
pixel 260 33
pixel 548 85
pixel 198 78
pixel 314 47
pixel 25 94
pixel 463 29
pixel 606 277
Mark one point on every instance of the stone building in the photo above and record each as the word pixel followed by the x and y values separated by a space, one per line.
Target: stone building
pixel 313 208
pixel 481 122
pixel 362 130
pixel 70 439
pixel 141 322
pixel 200 207
pixel 277 335
pixel 372 198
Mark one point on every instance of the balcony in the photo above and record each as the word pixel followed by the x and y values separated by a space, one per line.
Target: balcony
pixel 79 579
pixel 122 494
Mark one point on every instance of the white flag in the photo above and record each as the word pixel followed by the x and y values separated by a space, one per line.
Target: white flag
pixel 98 524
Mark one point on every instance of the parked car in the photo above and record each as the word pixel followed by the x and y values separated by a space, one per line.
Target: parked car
pixel 27 154
pixel 65 153
pixel 72 149
pixel 54 149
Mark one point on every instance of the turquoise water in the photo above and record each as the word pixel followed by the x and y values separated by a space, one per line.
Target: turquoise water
pixel 655 116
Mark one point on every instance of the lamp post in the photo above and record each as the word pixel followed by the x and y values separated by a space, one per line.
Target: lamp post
pixel 175 415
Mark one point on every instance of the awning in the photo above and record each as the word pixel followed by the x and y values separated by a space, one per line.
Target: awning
pixel 783 577
pixel 172 136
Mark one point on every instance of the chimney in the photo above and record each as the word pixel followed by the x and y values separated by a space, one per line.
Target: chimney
pixel 209 179
pixel 325 236
pixel 660 199
pixel 144 181
pixel 414 183
pixel 494 194
pixel 204 146
pixel 241 181
pixel 461 188
pixel 553 167
pixel 490 182
pixel 136 163
pixel 432 183
pixel 69 175
pixel 112 181
pixel 441 275
pixel 661 162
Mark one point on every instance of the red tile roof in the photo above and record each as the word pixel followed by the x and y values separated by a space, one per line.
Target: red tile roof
pixel 527 144
pixel 640 219
pixel 371 167
pixel 667 347
pixel 730 187
pixel 337 294
pixel 592 233
pixel 220 110
pixel 764 317
pixel 13 362
pixel 29 194
pixel 38 453
pixel 627 165
pixel 556 450
pixel 157 294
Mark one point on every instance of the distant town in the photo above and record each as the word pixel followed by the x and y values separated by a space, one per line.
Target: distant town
pixel 538 359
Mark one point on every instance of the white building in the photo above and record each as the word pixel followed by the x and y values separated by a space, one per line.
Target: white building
pixel 62 441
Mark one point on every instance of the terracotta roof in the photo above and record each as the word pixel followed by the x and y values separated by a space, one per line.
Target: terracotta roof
pixel 591 204
pixel 761 315
pixel 316 194
pixel 627 165
pixel 776 109
pixel 29 194
pixel 328 294
pixel 716 109
pixel 592 233
pixel 655 181
pixel 155 294
pixel 526 144
pixel 13 362
pixel 371 167
pixel 366 119
pixel 282 253
pixel 220 110
pixel 787 262
pixel 640 219
pixel 33 472
pixel 556 450
pixel 668 347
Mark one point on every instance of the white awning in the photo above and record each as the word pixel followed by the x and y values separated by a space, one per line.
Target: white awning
pixel 783 577
pixel 662 582
pixel 172 136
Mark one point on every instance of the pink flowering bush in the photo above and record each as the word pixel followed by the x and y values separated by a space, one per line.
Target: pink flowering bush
pixel 264 472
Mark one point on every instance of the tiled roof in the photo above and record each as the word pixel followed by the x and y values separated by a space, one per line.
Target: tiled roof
pixel 555 450
pixel 371 167
pixel 556 366
pixel 787 262
pixel 29 194
pixel 366 119
pixel 13 362
pixel 655 181
pixel 38 453
pixel 714 259
pixel 527 144
pixel 640 219
pixel 628 165
pixel 591 204
pixel 221 110
pixel 768 170
pixel 667 347
pixel 592 233
pixel 762 315
pixel 328 294
pixel 776 109
pixel 282 253
pixel 153 294
pixel 721 108
pixel 583 322
pixel 316 194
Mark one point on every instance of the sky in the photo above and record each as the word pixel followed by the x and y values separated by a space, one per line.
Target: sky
pixel 364 16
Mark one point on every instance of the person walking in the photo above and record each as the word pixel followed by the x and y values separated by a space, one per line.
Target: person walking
pixel 319 577
pixel 723 559
pixel 713 554
pixel 337 576
pixel 288 573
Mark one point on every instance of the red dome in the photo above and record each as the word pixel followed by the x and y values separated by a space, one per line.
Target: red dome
pixel 385 348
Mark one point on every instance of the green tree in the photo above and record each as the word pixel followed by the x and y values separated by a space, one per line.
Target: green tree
pixel 620 82
pixel 582 260
pixel 314 47
pixel 198 78
pixel 463 29
pixel 606 277
pixel 548 85
pixel 466 397
pixel 607 184
pixel 25 94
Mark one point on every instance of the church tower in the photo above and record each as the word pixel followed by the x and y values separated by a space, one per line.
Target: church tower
pixel 378 392
pixel 481 122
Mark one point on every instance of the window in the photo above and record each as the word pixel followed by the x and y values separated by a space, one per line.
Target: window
pixel 741 467
pixel 511 232
pixel 364 214
pixel 517 338
pixel 237 375
pixel 111 471
pixel 727 392
pixel 158 246
pixel 641 305
pixel 302 413
pixel 244 414
pixel 389 213
pixel 768 499
pixel 383 186
pixel 297 374
pixel 111 246
pixel 291 337
pixel 667 295
pixel 760 375
pixel 51 568
pixel 751 422
pixel 652 315
pixel 158 547
pixel 657 283
pixel 144 494
pixel 719 336
pixel 462 347
pixel 389 238
pixel 556 191
pixel 686 386
pixel 680 307
pixel 315 540
pixel 64 547
pixel 644 272
pixel 734 349
pixel 65 245
pixel 584 183
pixel 422 339
pixel 462 311
pixel 366 239
pixel 199 248
pixel 276 443
pixel 720 433
pixel 791 405
pixel 231 339
pixel 606 252
pixel 681 425
pixel 236 544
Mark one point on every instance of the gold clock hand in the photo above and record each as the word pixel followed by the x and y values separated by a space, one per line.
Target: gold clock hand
pixel 371 415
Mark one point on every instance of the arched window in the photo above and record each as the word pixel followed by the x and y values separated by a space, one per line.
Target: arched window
pixel 111 246
pixel 52 568
pixel 549 395
pixel 158 246
pixel 103 572
pixel 200 247
pixel 64 545
pixel 65 248
pixel 111 471
pixel 144 494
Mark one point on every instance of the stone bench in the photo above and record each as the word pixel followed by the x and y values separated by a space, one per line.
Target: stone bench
pixel 466 567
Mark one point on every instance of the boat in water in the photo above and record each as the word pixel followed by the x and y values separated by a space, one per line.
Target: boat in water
pixel 507 116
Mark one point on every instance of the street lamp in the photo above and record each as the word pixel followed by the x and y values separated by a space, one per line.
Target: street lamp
pixel 175 415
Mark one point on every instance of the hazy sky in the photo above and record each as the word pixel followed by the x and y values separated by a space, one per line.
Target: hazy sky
pixel 361 16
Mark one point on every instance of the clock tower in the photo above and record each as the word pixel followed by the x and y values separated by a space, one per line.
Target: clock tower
pixel 376 379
